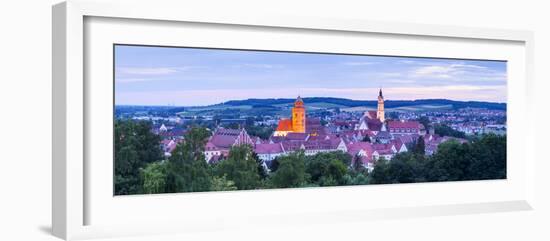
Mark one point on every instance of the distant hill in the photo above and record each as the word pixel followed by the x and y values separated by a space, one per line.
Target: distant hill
pixel 347 103
pixel 281 107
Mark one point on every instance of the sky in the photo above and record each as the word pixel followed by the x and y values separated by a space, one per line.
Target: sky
pixel 147 75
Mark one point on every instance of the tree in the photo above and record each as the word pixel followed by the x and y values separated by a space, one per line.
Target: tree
pixel 274 164
pixel 232 125
pixel 291 171
pixel 260 164
pixel 336 171
pixel 357 163
pixel 358 178
pixel 187 168
pixel 489 160
pixel 419 146
pixel 328 168
pixel 445 130
pixel 222 184
pixel 450 162
pixel 425 121
pixel 403 168
pixel 484 158
pixel 154 178
pixel 249 121
pixel 264 132
pixel 240 167
pixel 135 147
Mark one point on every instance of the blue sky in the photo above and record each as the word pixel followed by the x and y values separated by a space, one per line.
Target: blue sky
pixel 193 77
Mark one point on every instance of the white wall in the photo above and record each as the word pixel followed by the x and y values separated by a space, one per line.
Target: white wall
pixel 25 131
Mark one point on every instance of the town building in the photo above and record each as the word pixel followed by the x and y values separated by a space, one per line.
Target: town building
pixel 297 121
pixel 222 140
pixel 380 110
pixel 402 127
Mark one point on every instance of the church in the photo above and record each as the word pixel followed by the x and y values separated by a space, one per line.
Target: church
pixel 297 121
pixel 377 115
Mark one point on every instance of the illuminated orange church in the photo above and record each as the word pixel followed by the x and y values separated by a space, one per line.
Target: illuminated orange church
pixel 296 123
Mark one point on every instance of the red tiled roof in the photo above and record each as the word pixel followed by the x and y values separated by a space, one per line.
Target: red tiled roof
pixel 284 125
pixel 210 146
pixel 397 143
pixel 223 141
pixel 225 138
pixel 331 144
pixel 403 124
pixel 384 151
pixel 355 147
pixel 374 124
pixel 269 148
pixel 296 136
pixel 373 113
pixel 380 147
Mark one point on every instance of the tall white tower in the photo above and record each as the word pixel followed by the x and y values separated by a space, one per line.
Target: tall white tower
pixel 380 111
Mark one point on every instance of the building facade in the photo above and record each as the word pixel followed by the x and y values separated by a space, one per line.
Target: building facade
pixel 380 109
pixel 297 121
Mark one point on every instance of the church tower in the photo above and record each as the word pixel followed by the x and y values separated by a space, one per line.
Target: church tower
pixel 380 111
pixel 299 116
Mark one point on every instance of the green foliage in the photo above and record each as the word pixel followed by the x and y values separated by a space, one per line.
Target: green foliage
pixel 450 162
pixel 357 164
pixel 240 167
pixel 327 169
pixel 135 147
pixel 232 125
pixel 358 178
pixel 291 171
pixel 187 168
pixel 482 159
pixel 138 169
pixel 274 164
pixel 262 172
pixel 425 121
pixel 154 177
pixel 418 146
pixel 403 168
pixel 264 132
pixel 222 184
pixel 490 161
pixel 445 130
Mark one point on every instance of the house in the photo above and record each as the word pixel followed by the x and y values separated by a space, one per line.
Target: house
pixel 400 146
pixel 168 146
pixel 368 122
pixel 314 127
pixel 383 137
pixel 432 142
pixel 269 151
pixel 404 127
pixel 362 151
pixel 172 133
pixel 386 151
pixel 312 147
pixel 223 139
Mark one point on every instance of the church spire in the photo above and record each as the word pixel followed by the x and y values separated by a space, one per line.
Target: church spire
pixel 380 110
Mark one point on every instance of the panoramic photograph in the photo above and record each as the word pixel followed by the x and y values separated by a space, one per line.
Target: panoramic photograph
pixel 204 119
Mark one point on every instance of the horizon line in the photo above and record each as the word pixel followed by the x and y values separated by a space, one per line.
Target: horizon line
pixel 169 105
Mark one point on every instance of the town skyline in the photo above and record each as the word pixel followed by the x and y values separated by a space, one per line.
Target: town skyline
pixel 305 97
pixel 161 76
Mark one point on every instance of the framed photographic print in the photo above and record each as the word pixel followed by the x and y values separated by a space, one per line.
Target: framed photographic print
pixel 206 122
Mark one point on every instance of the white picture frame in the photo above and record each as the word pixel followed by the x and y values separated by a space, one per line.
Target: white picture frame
pixel 72 192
